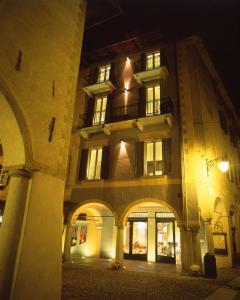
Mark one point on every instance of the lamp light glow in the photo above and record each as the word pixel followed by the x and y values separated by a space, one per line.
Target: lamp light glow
pixel 223 166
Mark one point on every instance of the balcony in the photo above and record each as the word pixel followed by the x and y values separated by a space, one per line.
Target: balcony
pixel 143 75
pixel 126 117
pixel 93 87
pixel 98 88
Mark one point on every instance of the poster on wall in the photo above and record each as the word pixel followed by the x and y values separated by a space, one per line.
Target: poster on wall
pixel 220 243
pixel 74 235
pixel 83 234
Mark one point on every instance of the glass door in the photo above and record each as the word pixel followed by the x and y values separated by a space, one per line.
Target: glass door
pixel 165 251
pixel 135 239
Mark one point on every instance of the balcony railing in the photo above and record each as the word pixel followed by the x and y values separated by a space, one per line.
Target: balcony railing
pixel 131 111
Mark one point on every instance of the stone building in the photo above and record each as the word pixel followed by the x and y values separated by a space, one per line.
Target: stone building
pixel 152 125
pixel 39 61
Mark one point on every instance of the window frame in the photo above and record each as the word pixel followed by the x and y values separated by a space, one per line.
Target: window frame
pixel 154 59
pixel 101 112
pixel 95 163
pixel 155 101
pixel 145 171
pixel 106 73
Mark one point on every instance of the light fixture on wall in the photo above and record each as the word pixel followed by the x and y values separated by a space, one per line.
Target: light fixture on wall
pixel 223 164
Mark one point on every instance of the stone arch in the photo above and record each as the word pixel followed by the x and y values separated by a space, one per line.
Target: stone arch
pixel 13 131
pixel 89 201
pixel 93 231
pixel 144 200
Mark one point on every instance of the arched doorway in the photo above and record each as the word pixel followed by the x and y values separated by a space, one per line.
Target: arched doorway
pixel 151 233
pixel 93 232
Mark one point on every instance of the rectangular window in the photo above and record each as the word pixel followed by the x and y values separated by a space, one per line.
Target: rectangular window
pixel 153 60
pixel 153 100
pixel 100 111
pixel 104 73
pixel 153 158
pixel 94 163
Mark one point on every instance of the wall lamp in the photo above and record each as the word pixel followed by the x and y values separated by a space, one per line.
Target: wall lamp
pixel 223 164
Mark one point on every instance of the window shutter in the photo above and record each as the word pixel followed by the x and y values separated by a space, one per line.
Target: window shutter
pixel 143 61
pixel 142 101
pixel 163 58
pixel 105 162
pixel 108 109
pixel 166 144
pixel 90 111
pixel 94 76
pixel 112 73
pixel 83 164
pixel 139 159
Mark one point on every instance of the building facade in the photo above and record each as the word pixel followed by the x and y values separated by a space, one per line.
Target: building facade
pixel 152 122
pixel 39 61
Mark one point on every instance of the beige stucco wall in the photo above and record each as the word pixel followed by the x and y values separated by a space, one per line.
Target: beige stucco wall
pixel 211 142
pixel 123 188
pixel 49 36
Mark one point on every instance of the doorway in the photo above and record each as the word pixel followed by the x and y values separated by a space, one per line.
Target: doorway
pixel 136 237
pixel 165 240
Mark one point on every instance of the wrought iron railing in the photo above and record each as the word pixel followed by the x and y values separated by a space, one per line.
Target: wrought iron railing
pixel 132 111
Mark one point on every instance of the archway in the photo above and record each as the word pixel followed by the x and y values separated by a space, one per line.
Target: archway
pixel 93 232
pixel 14 192
pixel 151 232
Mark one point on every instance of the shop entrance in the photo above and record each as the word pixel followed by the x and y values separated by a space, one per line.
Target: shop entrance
pixel 165 238
pixel 151 234
pixel 136 239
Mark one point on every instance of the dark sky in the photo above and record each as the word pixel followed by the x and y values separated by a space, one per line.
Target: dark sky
pixel 216 21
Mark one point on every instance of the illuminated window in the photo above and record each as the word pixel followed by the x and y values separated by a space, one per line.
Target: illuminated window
pixel 153 158
pixel 100 111
pixel 153 100
pixel 153 60
pixel 103 73
pixel 94 163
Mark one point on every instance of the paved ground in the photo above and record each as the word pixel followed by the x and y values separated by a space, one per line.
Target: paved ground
pixel 93 279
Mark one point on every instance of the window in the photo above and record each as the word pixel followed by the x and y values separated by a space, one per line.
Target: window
pixel 100 111
pixel 153 158
pixel 103 73
pixel 94 163
pixel 153 100
pixel 153 60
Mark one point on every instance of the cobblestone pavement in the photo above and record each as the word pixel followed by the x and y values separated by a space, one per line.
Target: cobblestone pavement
pixel 93 279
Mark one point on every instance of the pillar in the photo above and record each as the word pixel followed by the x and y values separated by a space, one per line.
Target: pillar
pixel 119 243
pixel 67 243
pixel 151 256
pixel 31 257
pixel 209 235
pixel 186 248
pixel 196 248
pixel 12 229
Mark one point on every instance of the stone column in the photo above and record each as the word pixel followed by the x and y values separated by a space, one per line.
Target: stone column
pixel 186 248
pixel 67 243
pixel 209 235
pixel 197 259
pixel 12 229
pixel 119 243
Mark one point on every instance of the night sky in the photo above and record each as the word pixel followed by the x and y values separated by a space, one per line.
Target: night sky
pixel 217 22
